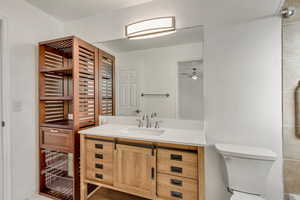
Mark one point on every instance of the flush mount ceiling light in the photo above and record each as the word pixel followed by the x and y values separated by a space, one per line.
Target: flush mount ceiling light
pixel 195 75
pixel 151 28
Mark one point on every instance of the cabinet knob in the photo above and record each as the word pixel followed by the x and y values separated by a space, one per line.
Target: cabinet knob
pixel 176 194
pixel 99 146
pixel 99 156
pixel 176 169
pixel 100 176
pixel 176 157
pixel 98 166
pixel 176 182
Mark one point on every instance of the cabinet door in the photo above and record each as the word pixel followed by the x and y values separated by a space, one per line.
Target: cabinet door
pixel 135 170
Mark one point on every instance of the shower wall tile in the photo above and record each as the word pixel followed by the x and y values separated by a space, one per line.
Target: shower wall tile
pixel 292 176
pixel 291 76
pixel 291 144
pixel 291 37
pixel 291 73
pixel 288 103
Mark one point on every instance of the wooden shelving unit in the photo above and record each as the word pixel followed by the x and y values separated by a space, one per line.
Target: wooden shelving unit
pixel 106 83
pixel 68 102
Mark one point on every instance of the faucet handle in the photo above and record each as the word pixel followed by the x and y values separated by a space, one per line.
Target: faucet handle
pixel 140 123
pixel 157 124
pixel 153 115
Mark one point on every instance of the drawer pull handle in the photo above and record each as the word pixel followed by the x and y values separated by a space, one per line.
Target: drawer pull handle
pixel 99 156
pixel 53 131
pixel 100 176
pixel 99 146
pixel 176 182
pixel 176 194
pixel 176 169
pixel 99 166
pixel 176 157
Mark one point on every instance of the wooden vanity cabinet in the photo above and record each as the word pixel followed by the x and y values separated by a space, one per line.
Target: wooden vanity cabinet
pixel 150 170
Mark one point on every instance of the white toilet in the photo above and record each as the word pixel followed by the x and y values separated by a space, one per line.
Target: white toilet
pixel 247 170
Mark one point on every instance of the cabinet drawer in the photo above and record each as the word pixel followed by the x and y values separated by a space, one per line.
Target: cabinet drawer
pixel 94 145
pixel 100 157
pixel 174 187
pixel 57 139
pixel 99 151
pixel 94 163
pixel 100 172
pixel 178 163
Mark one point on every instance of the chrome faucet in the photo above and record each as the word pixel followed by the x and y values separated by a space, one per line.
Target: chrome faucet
pixel 149 121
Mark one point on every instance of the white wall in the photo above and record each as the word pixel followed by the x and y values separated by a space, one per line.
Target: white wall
pixel 1 117
pixel 157 69
pixel 26 26
pixel 242 80
pixel 242 65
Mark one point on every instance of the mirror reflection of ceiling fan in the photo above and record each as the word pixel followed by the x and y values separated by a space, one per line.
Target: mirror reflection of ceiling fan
pixel 194 74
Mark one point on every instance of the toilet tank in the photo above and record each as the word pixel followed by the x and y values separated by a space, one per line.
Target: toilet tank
pixel 247 168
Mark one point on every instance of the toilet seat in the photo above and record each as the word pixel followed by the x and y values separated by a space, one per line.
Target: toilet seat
pixel 243 196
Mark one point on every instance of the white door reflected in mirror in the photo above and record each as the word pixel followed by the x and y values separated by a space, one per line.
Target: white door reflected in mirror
pixel 128 92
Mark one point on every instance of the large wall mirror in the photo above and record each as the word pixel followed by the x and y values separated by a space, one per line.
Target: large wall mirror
pixel 162 75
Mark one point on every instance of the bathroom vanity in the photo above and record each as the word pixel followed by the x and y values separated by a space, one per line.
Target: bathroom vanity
pixel 165 165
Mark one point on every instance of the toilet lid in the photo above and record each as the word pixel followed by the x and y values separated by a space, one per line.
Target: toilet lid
pixel 244 196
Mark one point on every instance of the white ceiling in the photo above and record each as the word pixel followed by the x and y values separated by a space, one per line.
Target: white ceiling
pixel 229 10
pixel 182 36
pixel 66 10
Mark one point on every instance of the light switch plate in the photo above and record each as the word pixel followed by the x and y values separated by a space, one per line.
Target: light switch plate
pixel 17 106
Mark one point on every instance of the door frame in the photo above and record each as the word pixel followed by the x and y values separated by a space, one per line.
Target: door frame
pixel 5 107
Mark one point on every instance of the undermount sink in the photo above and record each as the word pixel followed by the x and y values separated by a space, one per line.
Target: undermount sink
pixel 144 131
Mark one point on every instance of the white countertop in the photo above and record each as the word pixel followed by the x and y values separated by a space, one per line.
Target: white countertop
pixel 173 136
